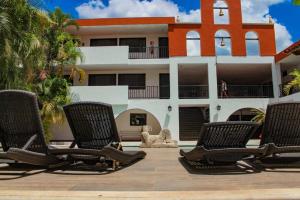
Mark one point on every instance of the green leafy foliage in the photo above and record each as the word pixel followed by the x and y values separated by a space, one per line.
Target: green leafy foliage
pixel 295 83
pixel 296 2
pixel 260 115
pixel 35 43
pixel 53 93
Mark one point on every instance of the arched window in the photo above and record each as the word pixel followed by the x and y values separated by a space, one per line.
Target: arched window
pixel 223 43
pixel 221 12
pixel 193 43
pixel 252 44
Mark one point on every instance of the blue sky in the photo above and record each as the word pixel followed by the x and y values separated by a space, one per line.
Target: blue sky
pixel 286 15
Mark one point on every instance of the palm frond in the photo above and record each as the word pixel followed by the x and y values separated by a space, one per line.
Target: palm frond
pixel 260 115
pixel 295 83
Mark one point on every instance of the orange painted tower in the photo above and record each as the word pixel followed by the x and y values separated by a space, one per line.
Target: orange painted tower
pixel 207 30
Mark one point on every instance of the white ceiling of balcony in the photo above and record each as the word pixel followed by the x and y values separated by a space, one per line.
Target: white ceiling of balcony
pixel 193 74
pixel 244 73
pixel 122 29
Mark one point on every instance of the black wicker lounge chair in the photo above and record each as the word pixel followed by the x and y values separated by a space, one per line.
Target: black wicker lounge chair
pixel 282 132
pixel 21 130
pixel 222 144
pixel 96 136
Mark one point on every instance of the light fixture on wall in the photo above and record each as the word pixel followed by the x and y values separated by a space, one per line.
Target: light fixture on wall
pixel 221 13
pixel 222 42
pixel 169 108
pixel 219 107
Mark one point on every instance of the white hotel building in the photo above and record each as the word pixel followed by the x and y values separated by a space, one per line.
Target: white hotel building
pixel 146 69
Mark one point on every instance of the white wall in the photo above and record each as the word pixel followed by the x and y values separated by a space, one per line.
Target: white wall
pixel 116 95
pixel 107 55
pixel 291 98
pixel 159 108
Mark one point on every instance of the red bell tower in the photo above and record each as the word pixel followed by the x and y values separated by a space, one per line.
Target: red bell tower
pixel 236 29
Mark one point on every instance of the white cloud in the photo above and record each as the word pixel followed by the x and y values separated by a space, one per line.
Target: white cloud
pixel 253 11
pixel 258 11
pixel 135 8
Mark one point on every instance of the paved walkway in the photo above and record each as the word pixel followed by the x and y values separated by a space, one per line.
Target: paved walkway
pixel 160 171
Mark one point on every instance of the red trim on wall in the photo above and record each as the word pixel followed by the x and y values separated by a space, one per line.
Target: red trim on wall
pixel 288 51
pixel 125 21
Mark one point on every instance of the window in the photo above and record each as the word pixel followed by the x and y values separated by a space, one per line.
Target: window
pixel 223 43
pixel 221 14
pixel 102 79
pixel 138 119
pixel 193 43
pixel 252 44
pixel 104 42
pixel 134 81
pixel 135 44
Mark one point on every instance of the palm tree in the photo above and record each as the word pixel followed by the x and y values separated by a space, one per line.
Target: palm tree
pixel 62 46
pixel 21 42
pixel 295 83
pixel 296 2
pixel 260 115
pixel 33 42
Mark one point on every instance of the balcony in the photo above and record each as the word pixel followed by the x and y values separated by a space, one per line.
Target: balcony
pixel 249 91
pixel 104 55
pixel 115 95
pixel 148 52
pixel 193 91
pixel 149 92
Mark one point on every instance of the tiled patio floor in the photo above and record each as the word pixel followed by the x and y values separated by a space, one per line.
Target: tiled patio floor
pixel 160 171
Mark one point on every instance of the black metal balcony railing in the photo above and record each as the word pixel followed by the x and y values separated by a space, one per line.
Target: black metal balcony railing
pixel 148 52
pixel 193 91
pixel 149 92
pixel 248 91
pixel 293 90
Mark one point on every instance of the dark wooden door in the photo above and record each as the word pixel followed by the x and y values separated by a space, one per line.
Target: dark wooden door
pixel 190 123
pixel 163 47
pixel 164 86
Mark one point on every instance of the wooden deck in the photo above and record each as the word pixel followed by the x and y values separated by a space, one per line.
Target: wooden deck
pixel 160 171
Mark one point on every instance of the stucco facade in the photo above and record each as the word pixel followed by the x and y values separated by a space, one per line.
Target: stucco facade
pixel 253 80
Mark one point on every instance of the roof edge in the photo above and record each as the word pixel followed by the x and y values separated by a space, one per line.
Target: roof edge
pixel 125 21
pixel 288 51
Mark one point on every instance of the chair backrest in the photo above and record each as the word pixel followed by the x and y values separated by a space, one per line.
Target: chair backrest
pixel 92 124
pixel 221 135
pixel 282 124
pixel 20 120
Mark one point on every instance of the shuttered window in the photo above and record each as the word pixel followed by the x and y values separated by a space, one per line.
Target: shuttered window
pixel 134 81
pixel 104 42
pixel 102 79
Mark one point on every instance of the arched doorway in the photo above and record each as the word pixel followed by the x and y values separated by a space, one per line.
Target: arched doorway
pixel 131 122
pixel 248 114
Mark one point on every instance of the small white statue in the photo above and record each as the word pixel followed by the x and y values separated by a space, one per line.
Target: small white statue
pixel 162 140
